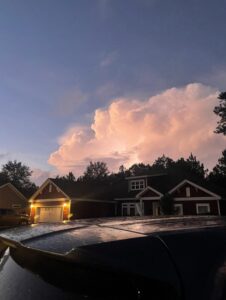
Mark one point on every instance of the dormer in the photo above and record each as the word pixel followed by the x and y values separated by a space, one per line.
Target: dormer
pixel 137 183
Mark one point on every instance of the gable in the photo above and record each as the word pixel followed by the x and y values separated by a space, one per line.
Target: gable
pixel 10 196
pixel 49 191
pixel 188 189
pixel 149 192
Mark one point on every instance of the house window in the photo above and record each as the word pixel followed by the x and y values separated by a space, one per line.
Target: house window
pixel 188 192
pixel 137 185
pixel 178 209
pixel 50 188
pixel 202 208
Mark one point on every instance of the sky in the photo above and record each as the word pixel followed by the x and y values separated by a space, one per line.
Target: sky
pixel 111 80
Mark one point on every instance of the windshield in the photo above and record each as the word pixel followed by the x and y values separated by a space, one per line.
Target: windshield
pixel 105 271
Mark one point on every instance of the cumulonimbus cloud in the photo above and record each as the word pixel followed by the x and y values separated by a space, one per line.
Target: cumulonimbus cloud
pixel 175 122
pixel 39 176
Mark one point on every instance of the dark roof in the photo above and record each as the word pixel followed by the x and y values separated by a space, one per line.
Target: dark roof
pixel 86 190
pixel 146 175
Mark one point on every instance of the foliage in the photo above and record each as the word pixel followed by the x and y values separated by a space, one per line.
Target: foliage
pixel 138 169
pixel 181 168
pixel 220 110
pixel 69 177
pixel 16 172
pixel 3 178
pixel 95 171
pixel 162 163
pixel 218 175
pixel 19 175
pixel 167 204
pixel 191 166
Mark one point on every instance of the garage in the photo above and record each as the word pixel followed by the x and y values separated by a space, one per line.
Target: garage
pixel 51 214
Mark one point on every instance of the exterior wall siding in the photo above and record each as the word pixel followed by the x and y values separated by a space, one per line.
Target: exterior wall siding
pixel 195 192
pixel 47 194
pixel 91 209
pixel 8 198
pixel 189 207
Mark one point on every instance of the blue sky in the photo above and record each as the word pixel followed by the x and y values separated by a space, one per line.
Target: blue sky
pixel 61 60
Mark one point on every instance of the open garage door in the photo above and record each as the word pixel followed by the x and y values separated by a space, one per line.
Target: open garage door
pixel 51 214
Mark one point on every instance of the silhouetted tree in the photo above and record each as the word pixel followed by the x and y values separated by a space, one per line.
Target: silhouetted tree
pixel 139 169
pixel 19 175
pixel 95 171
pixel 162 163
pixel 3 178
pixel 69 177
pixel 220 110
pixel 218 175
pixel 189 168
pixel 167 204
pixel 196 166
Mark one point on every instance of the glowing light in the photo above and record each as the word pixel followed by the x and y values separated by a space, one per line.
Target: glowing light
pixel 65 204
pixel 32 206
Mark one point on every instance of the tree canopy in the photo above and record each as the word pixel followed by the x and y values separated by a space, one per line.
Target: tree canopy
pixel 218 174
pixel 95 171
pixel 69 177
pixel 220 110
pixel 19 175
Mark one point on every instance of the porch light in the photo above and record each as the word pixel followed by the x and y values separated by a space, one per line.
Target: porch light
pixel 32 206
pixel 65 204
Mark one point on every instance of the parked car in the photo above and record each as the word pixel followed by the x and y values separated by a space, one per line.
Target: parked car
pixel 117 261
pixel 8 217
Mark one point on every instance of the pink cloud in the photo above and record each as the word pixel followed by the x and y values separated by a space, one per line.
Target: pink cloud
pixel 39 176
pixel 175 122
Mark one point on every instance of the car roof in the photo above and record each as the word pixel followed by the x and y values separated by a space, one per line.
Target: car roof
pixel 103 231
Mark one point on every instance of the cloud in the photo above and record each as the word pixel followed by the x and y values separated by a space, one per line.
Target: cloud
pixel 175 122
pixel 109 59
pixel 39 176
pixel 3 156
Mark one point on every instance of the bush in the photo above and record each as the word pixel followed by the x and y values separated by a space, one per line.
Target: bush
pixel 167 204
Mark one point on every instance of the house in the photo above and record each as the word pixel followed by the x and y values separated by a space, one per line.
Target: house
pixel 58 200
pixel 12 198
pixel 141 196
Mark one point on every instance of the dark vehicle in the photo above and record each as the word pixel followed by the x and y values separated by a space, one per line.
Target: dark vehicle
pixel 8 217
pixel 117 260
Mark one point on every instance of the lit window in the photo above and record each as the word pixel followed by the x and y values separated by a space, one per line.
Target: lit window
pixel 202 208
pixel 137 185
